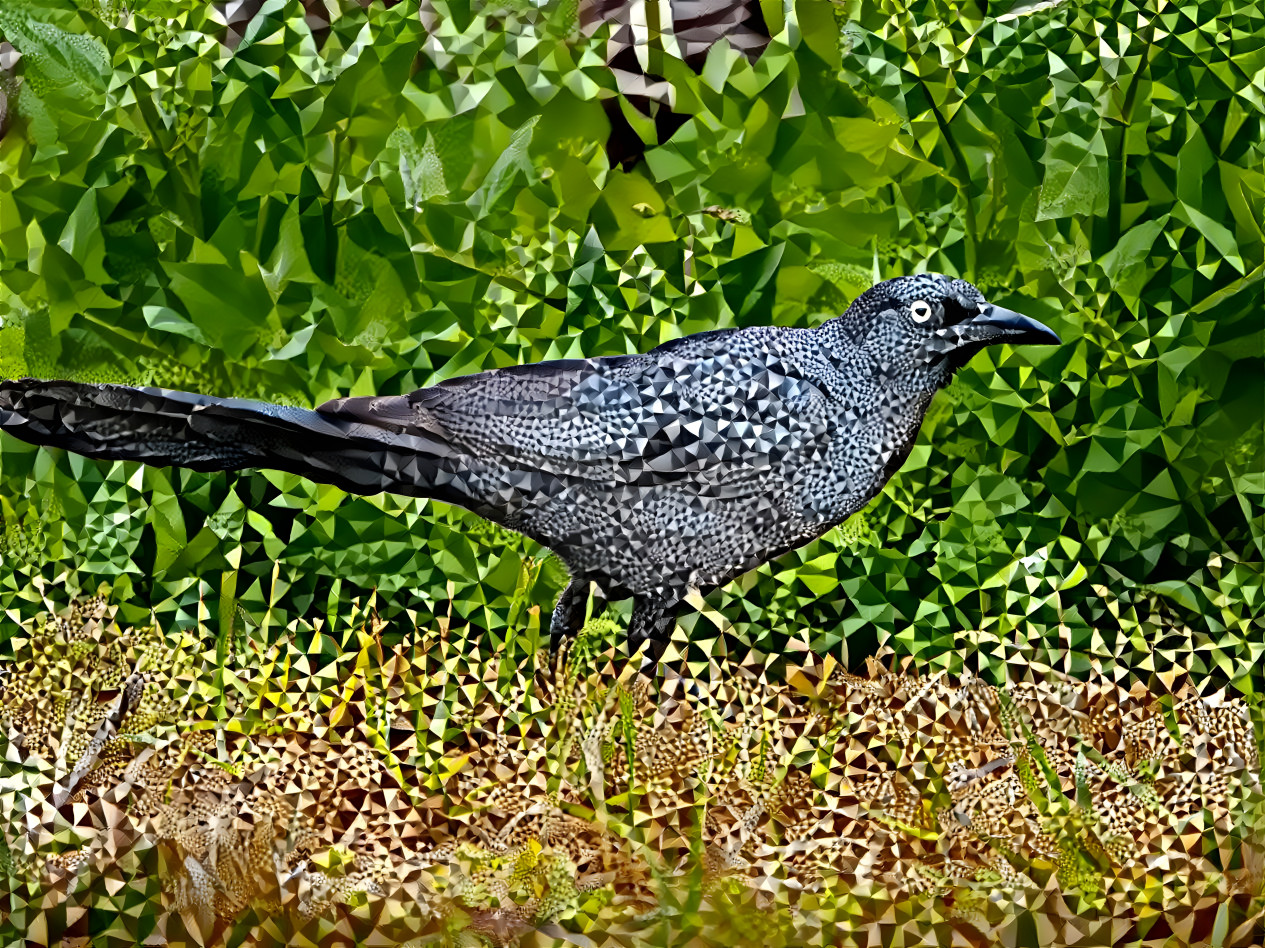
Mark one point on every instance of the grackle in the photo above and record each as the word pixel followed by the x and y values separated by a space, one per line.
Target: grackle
pixel 648 475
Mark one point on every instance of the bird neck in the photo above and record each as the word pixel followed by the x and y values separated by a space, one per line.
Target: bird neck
pixel 906 379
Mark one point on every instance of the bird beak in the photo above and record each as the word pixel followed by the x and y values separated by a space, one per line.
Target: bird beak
pixel 994 324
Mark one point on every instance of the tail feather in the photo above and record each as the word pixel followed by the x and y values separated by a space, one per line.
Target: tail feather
pixel 164 427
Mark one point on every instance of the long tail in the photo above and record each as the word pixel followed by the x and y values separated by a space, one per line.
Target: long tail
pixel 164 427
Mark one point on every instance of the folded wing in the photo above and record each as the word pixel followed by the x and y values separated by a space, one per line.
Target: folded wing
pixel 684 411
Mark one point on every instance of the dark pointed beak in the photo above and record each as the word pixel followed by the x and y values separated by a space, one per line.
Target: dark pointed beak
pixel 995 324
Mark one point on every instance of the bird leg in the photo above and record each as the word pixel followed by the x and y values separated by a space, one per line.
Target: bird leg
pixel 652 621
pixel 569 613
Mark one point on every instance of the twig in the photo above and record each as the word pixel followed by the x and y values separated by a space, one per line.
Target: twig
pixel 129 695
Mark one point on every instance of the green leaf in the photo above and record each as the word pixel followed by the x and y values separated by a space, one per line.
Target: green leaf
pixel 1132 249
pixel 514 160
pixel 167 519
pixel 227 307
pixel 1075 182
pixel 82 238
pixel 166 319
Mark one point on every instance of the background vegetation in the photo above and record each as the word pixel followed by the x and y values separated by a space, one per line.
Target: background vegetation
pixel 365 206
pixel 370 208
pixel 319 201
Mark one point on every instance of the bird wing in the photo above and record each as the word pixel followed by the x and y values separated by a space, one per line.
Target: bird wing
pixel 707 407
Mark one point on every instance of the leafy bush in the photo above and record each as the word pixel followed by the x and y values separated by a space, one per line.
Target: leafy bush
pixel 319 201
pixel 374 206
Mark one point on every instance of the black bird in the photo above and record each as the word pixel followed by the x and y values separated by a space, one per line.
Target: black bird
pixel 649 475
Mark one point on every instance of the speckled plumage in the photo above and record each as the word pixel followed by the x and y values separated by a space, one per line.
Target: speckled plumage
pixel 647 474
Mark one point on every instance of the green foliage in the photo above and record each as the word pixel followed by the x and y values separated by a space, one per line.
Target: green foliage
pixel 399 200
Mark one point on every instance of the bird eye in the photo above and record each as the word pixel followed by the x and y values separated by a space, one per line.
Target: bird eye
pixel 920 310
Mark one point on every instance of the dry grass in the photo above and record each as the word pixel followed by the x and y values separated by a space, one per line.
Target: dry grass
pixel 353 792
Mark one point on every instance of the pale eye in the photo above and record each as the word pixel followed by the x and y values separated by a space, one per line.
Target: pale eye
pixel 920 310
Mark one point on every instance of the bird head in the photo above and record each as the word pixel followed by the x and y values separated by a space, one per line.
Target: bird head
pixel 926 326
